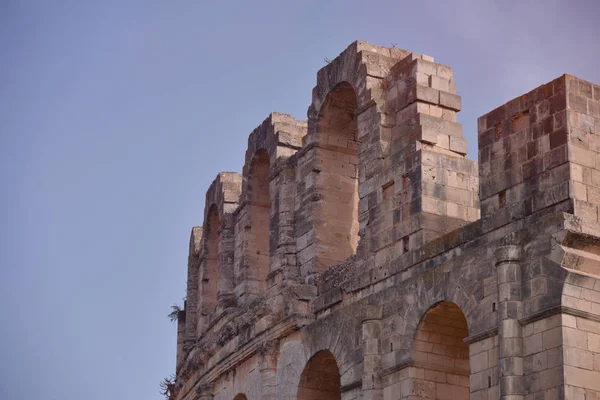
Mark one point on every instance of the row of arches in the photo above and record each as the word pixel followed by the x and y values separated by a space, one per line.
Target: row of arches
pixel 439 367
pixel 440 362
pixel 335 225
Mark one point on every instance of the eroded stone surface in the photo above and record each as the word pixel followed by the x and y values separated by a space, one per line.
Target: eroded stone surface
pixel 361 255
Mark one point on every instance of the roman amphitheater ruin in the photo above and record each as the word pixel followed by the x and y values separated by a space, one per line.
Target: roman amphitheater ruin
pixel 361 255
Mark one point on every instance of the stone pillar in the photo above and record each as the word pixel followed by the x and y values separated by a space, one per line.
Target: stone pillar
pixel 226 296
pixel 191 307
pixel 283 243
pixel 269 354
pixel 510 308
pixel 204 392
pixel 427 187
pixel 181 337
pixel 371 381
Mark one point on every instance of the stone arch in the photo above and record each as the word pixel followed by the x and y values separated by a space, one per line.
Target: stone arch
pixel 439 355
pixel 358 70
pixel 258 230
pixel 338 335
pixel 320 379
pixel 240 396
pixel 336 212
pixel 460 281
pixel 363 66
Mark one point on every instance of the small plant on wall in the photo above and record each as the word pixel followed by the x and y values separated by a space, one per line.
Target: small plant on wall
pixel 174 314
pixel 167 388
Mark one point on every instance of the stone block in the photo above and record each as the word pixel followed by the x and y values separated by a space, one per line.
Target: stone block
pixel 426 94
pixel 439 83
pixel 458 145
pixel 450 101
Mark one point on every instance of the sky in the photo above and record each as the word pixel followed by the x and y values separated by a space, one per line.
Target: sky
pixel 115 116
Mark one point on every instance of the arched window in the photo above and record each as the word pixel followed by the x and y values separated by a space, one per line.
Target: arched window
pixel 336 230
pixel 320 378
pixel 439 351
pixel 209 275
pixel 240 397
pixel 257 233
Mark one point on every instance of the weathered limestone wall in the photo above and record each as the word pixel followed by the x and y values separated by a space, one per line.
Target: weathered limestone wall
pixel 583 138
pixel 351 259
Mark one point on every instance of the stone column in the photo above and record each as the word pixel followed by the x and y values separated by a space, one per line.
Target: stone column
pixel 204 392
pixel 510 309
pixel 191 302
pixel 371 381
pixel 283 242
pixel 181 336
pixel 226 297
pixel 269 353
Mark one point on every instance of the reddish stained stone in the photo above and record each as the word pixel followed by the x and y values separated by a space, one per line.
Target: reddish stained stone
pixel 558 138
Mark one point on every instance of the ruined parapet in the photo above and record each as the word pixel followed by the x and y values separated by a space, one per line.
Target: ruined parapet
pixel 215 276
pixel 350 187
pixel 381 170
pixel 376 277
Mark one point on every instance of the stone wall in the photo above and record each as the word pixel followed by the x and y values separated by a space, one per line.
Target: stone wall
pixel 361 255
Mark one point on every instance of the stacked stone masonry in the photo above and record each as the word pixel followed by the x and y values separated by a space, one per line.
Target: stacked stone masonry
pixel 361 255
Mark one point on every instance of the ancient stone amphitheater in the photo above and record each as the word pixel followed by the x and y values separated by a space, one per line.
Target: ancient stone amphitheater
pixel 361 255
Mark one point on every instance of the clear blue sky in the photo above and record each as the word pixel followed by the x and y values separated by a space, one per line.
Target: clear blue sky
pixel 115 116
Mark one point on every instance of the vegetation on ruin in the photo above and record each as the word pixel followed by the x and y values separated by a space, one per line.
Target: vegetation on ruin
pixel 174 314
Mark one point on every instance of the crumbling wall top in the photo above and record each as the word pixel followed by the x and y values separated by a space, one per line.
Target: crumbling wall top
pixel 196 241
pixel 224 192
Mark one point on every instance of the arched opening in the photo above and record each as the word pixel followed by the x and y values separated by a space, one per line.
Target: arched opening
pixel 209 275
pixel 257 250
pixel 240 397
pixel 320 379
pixel 336 230
pixel 440 355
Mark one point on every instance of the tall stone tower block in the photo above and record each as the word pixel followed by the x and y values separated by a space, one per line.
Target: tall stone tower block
pixel 541 149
